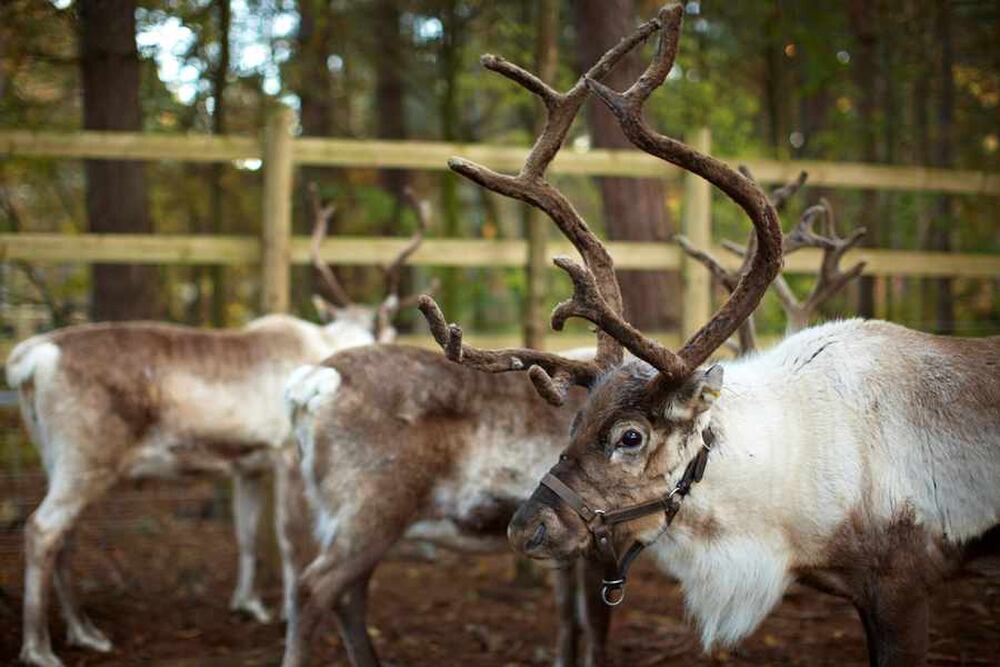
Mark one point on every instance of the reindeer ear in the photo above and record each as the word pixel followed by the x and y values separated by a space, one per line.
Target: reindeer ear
pixel 326 311
pixel 696 395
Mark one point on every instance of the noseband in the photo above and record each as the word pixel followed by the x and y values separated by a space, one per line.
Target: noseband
pixel 601 522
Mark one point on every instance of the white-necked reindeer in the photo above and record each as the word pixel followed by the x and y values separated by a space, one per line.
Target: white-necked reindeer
pixel 465 491
pixel 108 402
pixel 399 441
pixel 859 457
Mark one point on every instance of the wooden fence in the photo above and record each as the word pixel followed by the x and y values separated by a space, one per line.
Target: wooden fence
pixel 276 249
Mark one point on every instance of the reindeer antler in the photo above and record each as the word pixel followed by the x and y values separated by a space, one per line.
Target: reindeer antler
pixel 766 261
pixel 729 279
pixel 321 221
pixel 551 373
pixel 393 302
pixel 596 295
pixel 830 279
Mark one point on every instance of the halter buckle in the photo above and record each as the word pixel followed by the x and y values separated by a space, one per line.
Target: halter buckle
pixel 613 591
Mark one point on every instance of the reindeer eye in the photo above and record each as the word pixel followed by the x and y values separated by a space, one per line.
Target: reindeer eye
pixel 630 438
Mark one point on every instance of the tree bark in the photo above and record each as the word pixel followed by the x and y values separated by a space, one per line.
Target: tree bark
pixel 450 59
pixel 115 189
pixel 777 101
pixel 535 225
pixel 863 23
pixel 390 114
pixel 218 275
pixel 943 148
pixel 315 44
pixel 634 208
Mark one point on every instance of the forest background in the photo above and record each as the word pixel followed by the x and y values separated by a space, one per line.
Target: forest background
pixel 904 82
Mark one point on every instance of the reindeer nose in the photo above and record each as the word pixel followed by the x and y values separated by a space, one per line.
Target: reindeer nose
pixel 536 539
pixel 526 530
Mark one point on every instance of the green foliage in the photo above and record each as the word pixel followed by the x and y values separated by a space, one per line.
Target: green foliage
pixel 772 78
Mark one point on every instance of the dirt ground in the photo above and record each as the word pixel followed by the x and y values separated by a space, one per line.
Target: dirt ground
pixel 155 564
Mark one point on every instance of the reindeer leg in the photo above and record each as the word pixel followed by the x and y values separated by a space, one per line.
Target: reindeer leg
pixel 596 615
pixel 351 611
pixel 44 537
pixel 288 496
pixel 339 576
pixel 247 504
pixel 332 579
pixel 895 617
pixel 80 630
pixel 569 627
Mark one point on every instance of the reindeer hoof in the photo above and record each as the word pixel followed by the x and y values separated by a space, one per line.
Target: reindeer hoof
pixel 32 655
pixel 89 637
pixel 253 608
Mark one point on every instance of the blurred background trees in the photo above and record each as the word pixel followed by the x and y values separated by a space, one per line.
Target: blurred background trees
pixel 891 81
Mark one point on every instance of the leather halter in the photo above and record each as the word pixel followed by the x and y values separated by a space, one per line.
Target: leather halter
pixel 601 522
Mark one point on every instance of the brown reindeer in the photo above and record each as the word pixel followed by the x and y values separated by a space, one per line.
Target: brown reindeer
pixel 397 442
pixel 109 402
pixel 830 279
pixel 859 457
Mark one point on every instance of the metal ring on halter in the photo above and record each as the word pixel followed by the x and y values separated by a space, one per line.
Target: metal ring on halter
pixel 609 588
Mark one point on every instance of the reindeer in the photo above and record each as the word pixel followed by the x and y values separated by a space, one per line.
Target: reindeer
pixel 830 279
pixel 399 442
pixel 358 517
pixel 115 401
pixel 859 457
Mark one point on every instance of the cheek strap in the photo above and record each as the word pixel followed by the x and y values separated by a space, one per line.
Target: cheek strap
pixel 601 522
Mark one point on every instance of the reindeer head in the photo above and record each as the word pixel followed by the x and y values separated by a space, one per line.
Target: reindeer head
pixel 642 429
pixel 360 324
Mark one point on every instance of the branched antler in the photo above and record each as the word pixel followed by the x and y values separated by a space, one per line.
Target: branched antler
pixel 597 295
pixel 392 303
pixel 764 264
pixel 730 278
pixel 553 374
pixel 830 279
pixel 321 221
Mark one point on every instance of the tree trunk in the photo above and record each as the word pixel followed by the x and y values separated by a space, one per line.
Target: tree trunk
pixel 889 233
pixel 922 140
pixel 450 60
pixel 389 91
pixel 865 71
pixel 116 189
pixel 219 128
pixel 941 224
pixel 535 224
pixel 776 85
pixel 315 44
pixel 634 208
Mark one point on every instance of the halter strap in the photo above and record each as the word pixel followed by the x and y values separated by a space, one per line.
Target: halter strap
pixel 601 522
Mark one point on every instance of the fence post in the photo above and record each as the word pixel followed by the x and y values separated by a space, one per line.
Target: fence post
pixel 276 229
pixel 697 226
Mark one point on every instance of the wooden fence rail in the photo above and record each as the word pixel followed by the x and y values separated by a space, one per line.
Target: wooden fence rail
pixel 510 253
pixel 280 153
pixel 433 156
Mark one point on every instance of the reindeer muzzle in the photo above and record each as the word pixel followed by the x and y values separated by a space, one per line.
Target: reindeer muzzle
pixel 601 522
